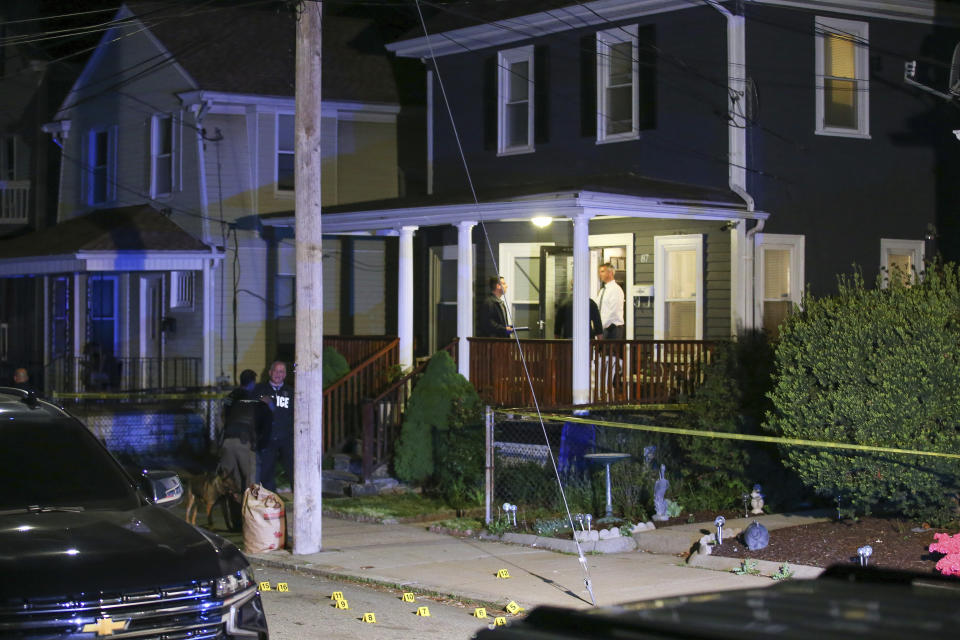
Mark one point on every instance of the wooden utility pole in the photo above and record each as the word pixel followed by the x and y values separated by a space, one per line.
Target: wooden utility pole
pixel 308 414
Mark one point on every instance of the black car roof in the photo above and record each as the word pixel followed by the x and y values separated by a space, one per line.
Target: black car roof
pixel 26 404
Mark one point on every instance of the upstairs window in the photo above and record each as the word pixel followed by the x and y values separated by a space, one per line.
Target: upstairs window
pixel 779 286
pixel 515 100
pixel 162 140
pixel 101 165
pixel 8 158
pixel 285 152
pixel 678 287
pixel 842 59
pixel 902 258
pixel 617 84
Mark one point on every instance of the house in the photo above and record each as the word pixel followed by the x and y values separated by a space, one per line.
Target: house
pixel 726 157
pixel 175 138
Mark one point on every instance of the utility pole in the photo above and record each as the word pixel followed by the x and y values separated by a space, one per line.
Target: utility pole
pixel 308 411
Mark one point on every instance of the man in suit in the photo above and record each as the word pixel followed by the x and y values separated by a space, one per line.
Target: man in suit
pixel 493 312
pixel 563 327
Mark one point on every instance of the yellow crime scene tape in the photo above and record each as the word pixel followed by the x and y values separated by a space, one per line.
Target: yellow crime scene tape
pixel 54 395
pixel 679 431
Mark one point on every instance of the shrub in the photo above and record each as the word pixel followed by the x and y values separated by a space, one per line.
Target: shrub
pixel 334 366
pixel 441 439
pixel 875 367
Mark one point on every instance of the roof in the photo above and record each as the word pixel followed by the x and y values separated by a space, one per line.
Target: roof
pixel 251 50
pixel 134 228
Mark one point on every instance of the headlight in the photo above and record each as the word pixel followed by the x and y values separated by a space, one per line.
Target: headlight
pixel 231 584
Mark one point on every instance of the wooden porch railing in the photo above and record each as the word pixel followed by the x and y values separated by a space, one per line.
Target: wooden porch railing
pixel 383 415
pixel 342 400
pixel 621 371
pixel 356 349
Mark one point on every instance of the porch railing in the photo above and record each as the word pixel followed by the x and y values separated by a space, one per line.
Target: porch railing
pixel 14 201
pixel 621 371
pixel 356 349
pixel 343 399
pixel 383 415
pixel 79 374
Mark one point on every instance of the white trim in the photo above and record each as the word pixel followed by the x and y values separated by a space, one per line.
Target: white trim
pixel 110 173
pixel 144 285
pixel 796 245
pixel 661 246
pixel 505 60
pixel 860 33
pixel 89 261
pixel 916 249
pixel 614 240
pixel 237 104
pixel 921 11
pixel 605 40
pixel 277 191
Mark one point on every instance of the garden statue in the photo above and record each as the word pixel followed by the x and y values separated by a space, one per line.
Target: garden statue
pixel 865 552
pixel 756 501
pixel 659 492
pixel 719 522
pixel 756 536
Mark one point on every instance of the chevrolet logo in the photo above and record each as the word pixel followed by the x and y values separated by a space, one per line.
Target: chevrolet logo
pixel 105 626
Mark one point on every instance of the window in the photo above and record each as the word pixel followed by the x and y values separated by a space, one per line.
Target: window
pixel 285 152
pixel 842 84
pixel 617 84
pixel 102 308
pixel 181 289
pixel 515 100
pixel 286 296
pixel 60 305
pixel 779 286
pixel 903 257
pixel 8 158
pixel 162 142
pixel 678 287
pixel 4 342
pixel 101 163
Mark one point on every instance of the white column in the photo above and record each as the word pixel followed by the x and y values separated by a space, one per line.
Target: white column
pixel 465 291
pixel 405 301
pixel 208 323
pixel 581 310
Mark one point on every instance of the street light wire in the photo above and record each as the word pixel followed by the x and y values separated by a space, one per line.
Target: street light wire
pixel 533 393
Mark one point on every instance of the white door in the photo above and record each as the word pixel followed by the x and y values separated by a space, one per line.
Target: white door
pixel 151 340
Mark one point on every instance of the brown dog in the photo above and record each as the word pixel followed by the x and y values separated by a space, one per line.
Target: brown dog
pixel 208 489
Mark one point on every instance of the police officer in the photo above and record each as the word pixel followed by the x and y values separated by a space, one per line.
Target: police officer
pixel 279 447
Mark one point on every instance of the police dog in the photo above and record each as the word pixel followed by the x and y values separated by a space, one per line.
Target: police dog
pixel 208 490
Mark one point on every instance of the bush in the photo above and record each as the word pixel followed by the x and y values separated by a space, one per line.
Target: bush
pixel 441 439
pixel 334 366
pixel 875 367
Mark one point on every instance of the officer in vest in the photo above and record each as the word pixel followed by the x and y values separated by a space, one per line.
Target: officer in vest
pixel 279 448
pixel 246 422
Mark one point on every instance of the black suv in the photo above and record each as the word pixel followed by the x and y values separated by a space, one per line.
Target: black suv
pixel 86 552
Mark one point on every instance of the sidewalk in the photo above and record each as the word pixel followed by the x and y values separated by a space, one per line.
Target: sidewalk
pixel 466 568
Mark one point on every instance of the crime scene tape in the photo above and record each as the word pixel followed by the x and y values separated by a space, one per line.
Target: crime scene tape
pixel 55 395
pixel 679 431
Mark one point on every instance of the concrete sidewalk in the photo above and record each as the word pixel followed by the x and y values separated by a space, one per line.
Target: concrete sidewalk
pixel 466 568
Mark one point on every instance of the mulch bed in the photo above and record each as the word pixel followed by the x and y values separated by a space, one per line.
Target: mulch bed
pixel 690 517
pixel 895 544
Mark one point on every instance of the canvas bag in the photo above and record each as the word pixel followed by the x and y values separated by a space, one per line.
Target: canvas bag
pixel 264 520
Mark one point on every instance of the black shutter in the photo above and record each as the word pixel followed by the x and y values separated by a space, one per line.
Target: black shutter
pixel 541 94
pixel 490 103
pixel 647 57
pixel 588 86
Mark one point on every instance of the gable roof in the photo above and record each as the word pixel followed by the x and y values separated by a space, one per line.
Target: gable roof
pixel 133 228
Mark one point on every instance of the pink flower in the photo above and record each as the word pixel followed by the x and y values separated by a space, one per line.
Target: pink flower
pixel 949 564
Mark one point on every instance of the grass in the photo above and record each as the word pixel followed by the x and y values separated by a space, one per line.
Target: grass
pixel 390 505
pixel 461 524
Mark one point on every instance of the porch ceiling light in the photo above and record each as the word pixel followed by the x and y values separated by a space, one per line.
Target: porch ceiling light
pixel 541 221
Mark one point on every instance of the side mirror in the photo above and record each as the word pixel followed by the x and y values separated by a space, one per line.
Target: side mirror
pixel 163 488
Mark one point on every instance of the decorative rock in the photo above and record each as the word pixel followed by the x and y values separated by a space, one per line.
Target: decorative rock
pixel 706 544
pixel 582 536
pixel 364 489
pixel 593 536
pixel 639 527
pixel 650 525
pixel 604 534
pixel 341 462
pixel 756 536
pixel 385 484
pixel 381 471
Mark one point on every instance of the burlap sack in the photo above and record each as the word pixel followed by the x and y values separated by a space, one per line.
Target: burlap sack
pixel 264 521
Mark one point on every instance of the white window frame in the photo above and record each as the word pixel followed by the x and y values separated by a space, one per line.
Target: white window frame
pixel 796 245
pixel 662 245
pixel 182 289
pixel 605 39
pixel 892 245
pixel 156 157
pixel 277 151
pixel 861 34
pixel 110 192
pixel 504 60
pixel 115 347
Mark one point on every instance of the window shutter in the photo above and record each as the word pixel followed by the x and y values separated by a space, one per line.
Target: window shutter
pixel 647 57
pixel 541 94
pixel 588 86
pixel 490 103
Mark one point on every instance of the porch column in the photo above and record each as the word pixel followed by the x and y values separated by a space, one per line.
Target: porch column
pixel 207 363
pixel 581 310
pixel 465 291
pixel 405 297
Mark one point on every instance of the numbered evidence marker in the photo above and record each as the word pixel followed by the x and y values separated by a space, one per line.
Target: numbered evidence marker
pixel 423 612
pixel 499 621
pixel 265 586
pixel 479 612
pixel 342 604
pixel 282 586
pixel 408 596
pixel 514 608
pixel 336 595
pixel 369 617
pixel 503 573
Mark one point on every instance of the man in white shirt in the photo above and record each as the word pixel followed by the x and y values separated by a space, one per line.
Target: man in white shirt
pixel 610 300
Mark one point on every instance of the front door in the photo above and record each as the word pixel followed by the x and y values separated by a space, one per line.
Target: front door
pixel 151 341
pixel 556 284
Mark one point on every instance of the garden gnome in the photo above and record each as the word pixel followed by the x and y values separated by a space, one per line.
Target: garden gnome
pixel 756 501
pixel 659 492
